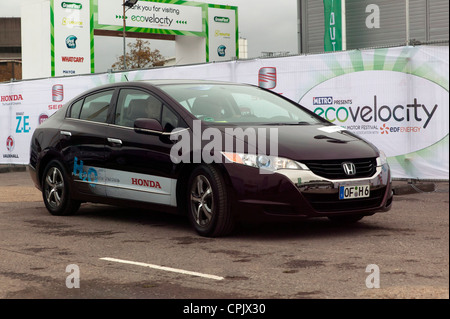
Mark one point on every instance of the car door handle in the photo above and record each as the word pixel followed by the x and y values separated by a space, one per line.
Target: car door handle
pixel 66 133
pixel 115 141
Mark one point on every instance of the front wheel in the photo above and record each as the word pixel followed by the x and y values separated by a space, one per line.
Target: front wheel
pixel 208 206
pixel 55 191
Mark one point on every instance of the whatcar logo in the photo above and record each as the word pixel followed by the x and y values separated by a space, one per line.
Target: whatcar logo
pixel 74 59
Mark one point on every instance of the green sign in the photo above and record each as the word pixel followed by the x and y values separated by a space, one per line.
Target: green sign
pixel 71 5
pixel 222 19
pixel 333 25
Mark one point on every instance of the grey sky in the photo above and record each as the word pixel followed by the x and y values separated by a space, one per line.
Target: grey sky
pixel 267 25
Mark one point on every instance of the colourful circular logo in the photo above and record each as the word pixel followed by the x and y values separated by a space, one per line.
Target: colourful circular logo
pixel 10 144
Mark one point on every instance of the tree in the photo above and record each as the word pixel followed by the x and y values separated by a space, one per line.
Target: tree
pixel 140 55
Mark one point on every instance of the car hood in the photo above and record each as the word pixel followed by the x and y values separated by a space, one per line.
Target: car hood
pixel 303 142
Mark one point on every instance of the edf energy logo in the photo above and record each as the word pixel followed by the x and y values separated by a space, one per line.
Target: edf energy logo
pixel 71 42
pixel 402 113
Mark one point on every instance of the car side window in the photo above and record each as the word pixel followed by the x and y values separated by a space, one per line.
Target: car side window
pixel 133 104
pixel 76 109
pixel 95 107
pixel 170 119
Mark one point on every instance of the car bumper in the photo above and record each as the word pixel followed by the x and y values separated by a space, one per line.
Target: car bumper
pixel 303 194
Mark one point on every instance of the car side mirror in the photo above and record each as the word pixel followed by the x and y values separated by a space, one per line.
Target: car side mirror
pixel 148 126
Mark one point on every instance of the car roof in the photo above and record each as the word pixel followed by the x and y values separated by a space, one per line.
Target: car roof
pixel 184 81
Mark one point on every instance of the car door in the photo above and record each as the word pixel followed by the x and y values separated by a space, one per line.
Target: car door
pixel 82 140
pixel 138 164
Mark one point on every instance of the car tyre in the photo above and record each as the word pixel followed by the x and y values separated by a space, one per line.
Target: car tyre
pixel 56 191
pixel 208 204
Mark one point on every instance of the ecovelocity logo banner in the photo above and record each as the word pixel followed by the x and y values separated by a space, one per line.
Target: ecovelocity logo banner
pixel 399 112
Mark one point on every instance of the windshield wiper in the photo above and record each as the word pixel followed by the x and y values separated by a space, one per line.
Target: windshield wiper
pixel 329 139
pixel 291 123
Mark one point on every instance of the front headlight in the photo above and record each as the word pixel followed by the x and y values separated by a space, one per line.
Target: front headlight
pixel 272 163
pixel 382 159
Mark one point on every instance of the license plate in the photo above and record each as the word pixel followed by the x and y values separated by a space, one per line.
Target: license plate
pixel 349 192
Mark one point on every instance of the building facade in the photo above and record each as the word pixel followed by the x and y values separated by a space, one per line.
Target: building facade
pixel 10 49
pixel 377 23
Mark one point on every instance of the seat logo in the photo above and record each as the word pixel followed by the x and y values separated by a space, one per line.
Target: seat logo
pixel 349 168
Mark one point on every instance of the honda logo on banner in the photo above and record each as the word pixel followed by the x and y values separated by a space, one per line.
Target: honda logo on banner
pixel 349 168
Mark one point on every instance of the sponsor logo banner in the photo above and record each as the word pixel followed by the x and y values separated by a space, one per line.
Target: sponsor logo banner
pixel 388 115
pixel 72 38
pixel 222 34
pixel 152 15
pixel 395 98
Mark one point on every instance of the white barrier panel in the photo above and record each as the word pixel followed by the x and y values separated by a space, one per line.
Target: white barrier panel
pixel 396 98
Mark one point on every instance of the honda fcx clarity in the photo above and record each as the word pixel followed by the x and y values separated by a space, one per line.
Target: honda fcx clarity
pixel 215 151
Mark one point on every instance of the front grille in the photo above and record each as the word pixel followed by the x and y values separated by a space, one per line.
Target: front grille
pixel 332 203
pixel 332 169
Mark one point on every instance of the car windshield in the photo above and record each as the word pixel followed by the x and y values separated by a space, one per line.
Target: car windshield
pixel 237 104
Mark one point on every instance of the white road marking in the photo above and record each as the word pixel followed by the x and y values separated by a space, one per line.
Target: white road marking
pixel 180 271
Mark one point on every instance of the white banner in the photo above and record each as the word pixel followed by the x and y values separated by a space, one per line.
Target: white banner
pixel 151 15
pixel 222 34
pixel 71 38
pixel 396 98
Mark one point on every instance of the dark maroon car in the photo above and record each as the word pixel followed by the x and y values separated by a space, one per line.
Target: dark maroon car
pixel 215 151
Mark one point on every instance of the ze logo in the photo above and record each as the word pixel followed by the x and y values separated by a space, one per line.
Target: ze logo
pixel 23 123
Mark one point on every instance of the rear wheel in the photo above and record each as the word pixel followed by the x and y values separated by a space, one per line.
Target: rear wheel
pixel 56 192
pixel 208 207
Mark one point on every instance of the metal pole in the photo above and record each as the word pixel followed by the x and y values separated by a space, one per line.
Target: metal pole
pixel 299 26
pixel 124 37
pixel 407 22
pixel 344 25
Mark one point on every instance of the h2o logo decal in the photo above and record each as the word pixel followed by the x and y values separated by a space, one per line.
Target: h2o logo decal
pixel 90 175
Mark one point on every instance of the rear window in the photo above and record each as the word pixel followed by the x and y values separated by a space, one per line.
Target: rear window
pixel 93 108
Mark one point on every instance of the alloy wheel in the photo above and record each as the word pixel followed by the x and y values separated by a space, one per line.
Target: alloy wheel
pixel 202 201
pixel 54 187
